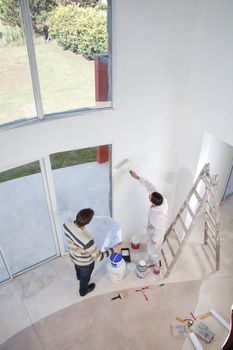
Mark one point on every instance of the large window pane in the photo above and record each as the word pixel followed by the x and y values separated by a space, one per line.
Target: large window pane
pixel 72 54
pixel 25 236
pixel 80 182
pixel 16 94
pixel 72 42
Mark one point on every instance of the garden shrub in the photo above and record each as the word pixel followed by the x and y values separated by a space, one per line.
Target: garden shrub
pixel 79 29
pixel 13 35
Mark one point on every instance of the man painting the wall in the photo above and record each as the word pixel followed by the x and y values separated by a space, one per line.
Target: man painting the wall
pixel 82 249
pixel 157 219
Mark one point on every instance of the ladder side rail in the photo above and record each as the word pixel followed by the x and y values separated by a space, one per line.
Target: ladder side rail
pixel 211 231
pixel 170 247
pixel 217 219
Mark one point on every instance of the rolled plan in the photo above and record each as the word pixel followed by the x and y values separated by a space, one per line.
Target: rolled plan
pixel 195 341
pixel 220 319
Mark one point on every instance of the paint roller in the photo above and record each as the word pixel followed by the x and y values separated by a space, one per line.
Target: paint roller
pixel 124 164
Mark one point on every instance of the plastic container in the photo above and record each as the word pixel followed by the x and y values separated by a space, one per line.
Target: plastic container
pixel 142 269
pixel 116 273
pixel 115 259
pixel 135 242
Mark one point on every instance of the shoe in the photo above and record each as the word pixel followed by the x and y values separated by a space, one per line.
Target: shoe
pixel 90 288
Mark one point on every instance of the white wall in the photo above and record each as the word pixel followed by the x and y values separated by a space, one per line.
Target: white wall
pixel 172 80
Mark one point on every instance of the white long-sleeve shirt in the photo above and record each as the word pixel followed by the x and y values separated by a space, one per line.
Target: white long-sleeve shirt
pixel 157 215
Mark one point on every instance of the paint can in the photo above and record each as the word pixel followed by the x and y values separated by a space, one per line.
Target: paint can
pixel 135 242
pixel 141 269
pixel 157 268
pixel 115 259
pixel 116 267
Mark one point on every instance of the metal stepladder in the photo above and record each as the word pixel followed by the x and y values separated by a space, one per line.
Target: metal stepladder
pixel 202 199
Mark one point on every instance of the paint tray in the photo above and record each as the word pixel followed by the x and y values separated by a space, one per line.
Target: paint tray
pixel 125 254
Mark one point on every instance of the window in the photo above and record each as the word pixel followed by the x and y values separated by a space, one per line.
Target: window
pixel 81 182
pixel 55 59
pixel 26 236
pixel 36 198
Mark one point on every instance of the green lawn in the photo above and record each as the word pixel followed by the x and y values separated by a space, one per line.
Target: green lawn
pixel 66 79
pixel 58 160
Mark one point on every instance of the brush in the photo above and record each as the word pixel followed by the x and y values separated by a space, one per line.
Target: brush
pixel 121 295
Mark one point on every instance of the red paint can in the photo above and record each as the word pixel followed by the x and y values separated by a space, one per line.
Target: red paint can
pixel 135 243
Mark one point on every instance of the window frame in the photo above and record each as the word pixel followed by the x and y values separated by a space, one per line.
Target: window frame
pixel 29 43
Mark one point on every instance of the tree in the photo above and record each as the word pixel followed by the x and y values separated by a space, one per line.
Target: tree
pixel 10 12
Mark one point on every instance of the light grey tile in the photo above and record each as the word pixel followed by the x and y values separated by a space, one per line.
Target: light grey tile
pixel 13 315
pixel 48 288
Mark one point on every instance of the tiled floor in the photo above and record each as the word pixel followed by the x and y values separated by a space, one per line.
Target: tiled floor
pixel 51 287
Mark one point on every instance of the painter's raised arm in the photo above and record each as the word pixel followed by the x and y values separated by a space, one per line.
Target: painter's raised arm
pixel 146 183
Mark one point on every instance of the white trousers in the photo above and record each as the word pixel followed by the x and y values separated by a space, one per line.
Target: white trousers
pixel 154 250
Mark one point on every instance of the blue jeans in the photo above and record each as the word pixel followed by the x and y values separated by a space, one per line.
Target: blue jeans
pixel 83 274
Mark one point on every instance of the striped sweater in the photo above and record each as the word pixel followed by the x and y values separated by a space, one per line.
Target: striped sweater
pixel 82 248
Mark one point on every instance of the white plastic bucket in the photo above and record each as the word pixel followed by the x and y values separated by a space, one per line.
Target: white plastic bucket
pixel 116 273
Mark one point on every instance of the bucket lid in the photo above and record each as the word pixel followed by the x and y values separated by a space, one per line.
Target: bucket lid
pixel 135 240
pixel 142 263
pixel 115 258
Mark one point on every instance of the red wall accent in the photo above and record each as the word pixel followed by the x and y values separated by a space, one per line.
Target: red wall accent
pixel 101 79
pixel 102 154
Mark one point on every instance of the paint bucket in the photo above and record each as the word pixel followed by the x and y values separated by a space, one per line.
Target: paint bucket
pixel 158 270
pixel 115 259
pixel 141 269
pixel 116 273
pixel 135 242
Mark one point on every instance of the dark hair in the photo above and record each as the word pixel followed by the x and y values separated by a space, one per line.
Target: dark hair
pixel 84 216
pixel 156 198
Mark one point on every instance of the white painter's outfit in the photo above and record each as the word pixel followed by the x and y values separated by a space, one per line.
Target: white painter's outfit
pixel 157 224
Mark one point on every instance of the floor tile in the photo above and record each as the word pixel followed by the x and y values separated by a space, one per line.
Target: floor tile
pixel 13 314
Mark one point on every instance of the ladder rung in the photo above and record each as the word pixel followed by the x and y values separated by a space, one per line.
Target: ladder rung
pixel 212 253
pixel 170 247
pixel 211 241
pixel 210 229
pixel 210 206
pixel 176 235
pixel 198 196
pixel 206 180
pixel 183 224
pixel 190 210
pixel 164 258
pixel 210 218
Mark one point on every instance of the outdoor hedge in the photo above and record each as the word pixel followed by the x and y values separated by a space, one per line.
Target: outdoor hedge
pixel 81 30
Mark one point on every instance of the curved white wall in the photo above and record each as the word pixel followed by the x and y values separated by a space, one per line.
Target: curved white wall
pixel 172 80
pixel 220 157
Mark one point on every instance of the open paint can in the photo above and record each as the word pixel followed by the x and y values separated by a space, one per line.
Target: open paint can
pixel 141 269
pixel 135 242
pixel 115 259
